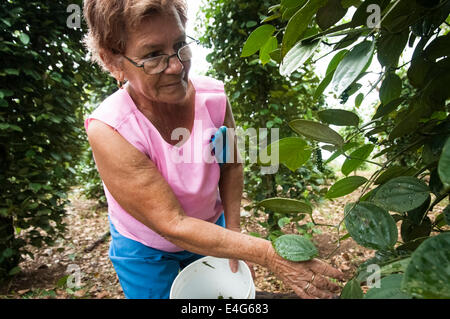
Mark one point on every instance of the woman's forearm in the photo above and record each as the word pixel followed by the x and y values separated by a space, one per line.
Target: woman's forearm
pixel 209 239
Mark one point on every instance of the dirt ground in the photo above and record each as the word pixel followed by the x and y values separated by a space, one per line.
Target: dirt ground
pixel 46 276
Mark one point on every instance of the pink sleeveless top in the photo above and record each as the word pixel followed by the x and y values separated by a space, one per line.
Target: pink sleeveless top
pixel 189 168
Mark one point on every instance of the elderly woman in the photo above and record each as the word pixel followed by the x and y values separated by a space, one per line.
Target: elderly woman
pixel 164 212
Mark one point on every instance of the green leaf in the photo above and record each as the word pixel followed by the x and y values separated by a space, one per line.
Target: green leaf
pixel 391 88
pixel 297 56
pixel 348 3
pixel 339 117
pixel 295 248
pixel 444 164
pixel 323 85
pixel 24 38
pixel 356 158
pixel 257 39
pixel 384 110
pixel 389 288
pixel 337 58
pixel 329 73
pixel 370 226
pixel 352 65
pixel 435 182
pixel 346 147
pixel 390 46
pixel 439 47
pixel 446 213
pixel 393 172
pixel 270 46
pixel 409 122
pixel 345 186
pixel 352 290
pixel 428 273
pixel 12 71
pixel 316 131
pixel 298 24
pixel 411 231
pixel 330 14
pixel 359 99
pixel 285 205
pixel 292 3
pixel 283 221
pixel 35 187
pixel 418 72
pixel 402 194
pixel 416 215
pixel 293 152
pixel 15 271
pixel 388 263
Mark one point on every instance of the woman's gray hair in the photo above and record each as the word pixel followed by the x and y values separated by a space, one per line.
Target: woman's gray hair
pixel 109 20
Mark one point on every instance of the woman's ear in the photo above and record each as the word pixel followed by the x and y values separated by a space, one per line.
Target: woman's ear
pixel 113 62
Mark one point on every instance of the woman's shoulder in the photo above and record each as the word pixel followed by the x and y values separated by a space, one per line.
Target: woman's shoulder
pixel 114 109
pixel 203 83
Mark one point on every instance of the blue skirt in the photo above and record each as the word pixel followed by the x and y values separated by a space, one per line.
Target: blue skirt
pixel 145 272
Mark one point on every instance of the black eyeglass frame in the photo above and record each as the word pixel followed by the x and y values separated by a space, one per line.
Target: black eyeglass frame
pixel 159 56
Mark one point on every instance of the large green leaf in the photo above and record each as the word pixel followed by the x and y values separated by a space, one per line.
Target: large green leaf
pixel 356 158
pixel 298 24
pixel 337 58
pixel 389 264
pixel 270 46
pixel 295 248
pixel 345 186
pixel 257 39
pixel 339 117
pixel 330 14
pixel 352 65
pixel 391 88
pixel 292 3
pixel 439 47
pixel 393 172
pixel 293 152
pixel 352 290
pixel 411 231
pixel 297 56
pixel 428 273
pixel 329 73
pixel 410 121
pixel 323 85
pixel 444 164
pixel 402 194
pixel 416 215
pixel 316 131
pixel 370 226
pixel 390 46
pixel 389 288
pixel 285 205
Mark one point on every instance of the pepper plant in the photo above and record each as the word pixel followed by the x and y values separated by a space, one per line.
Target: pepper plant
pixel 410 127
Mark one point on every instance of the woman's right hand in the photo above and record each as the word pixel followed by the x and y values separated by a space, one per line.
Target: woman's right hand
pixel 308 279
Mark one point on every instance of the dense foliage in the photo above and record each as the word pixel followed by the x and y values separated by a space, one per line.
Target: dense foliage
pixel 410 124
pixel 262 98
pixel 43 74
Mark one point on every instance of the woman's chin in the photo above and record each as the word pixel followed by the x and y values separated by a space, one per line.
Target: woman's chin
pixel 174 93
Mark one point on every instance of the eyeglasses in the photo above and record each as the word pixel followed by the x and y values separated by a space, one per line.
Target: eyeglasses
pixel 160 63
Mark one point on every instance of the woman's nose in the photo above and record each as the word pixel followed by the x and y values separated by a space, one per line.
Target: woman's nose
pixel 175 66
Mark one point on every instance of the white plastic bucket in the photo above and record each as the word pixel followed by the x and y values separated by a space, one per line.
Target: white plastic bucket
pixel 211 278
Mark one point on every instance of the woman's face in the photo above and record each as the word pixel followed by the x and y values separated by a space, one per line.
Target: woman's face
pixel 157 34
